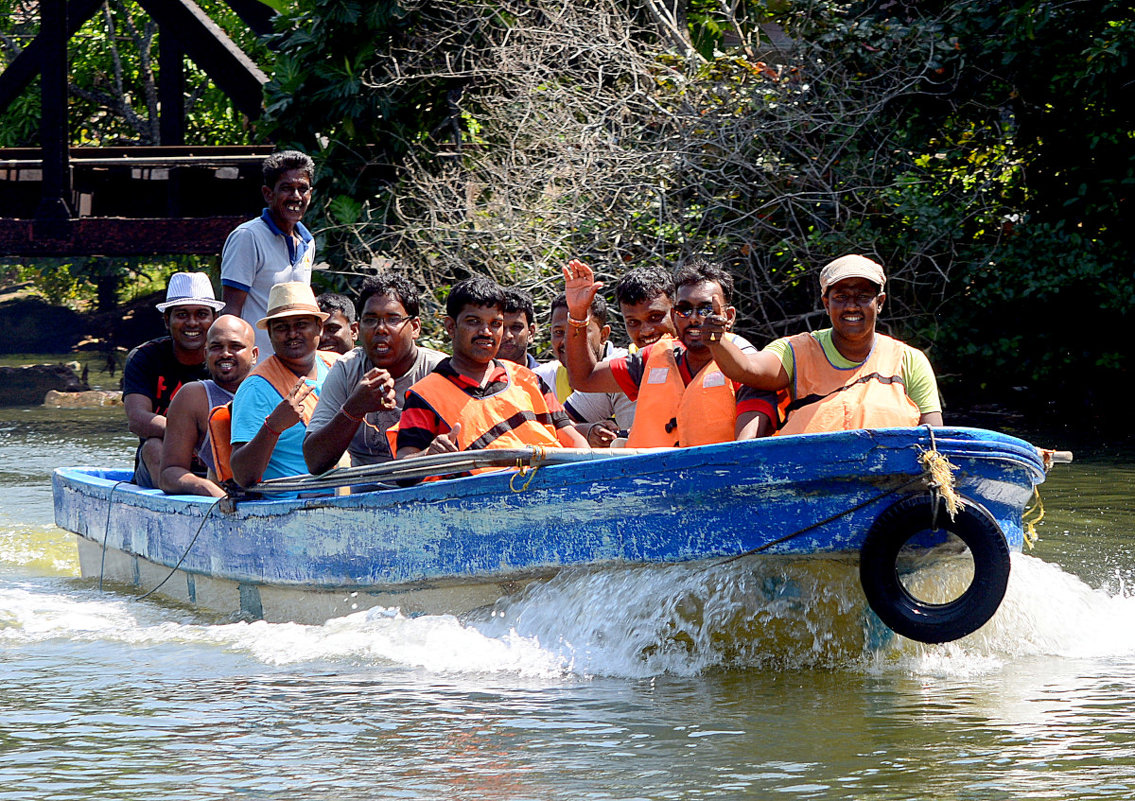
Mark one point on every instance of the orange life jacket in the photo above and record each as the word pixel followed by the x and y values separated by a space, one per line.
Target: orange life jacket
pixel 515 417
pixel 669 412
pixel 829 398
pixel 282 380
pixel 220 440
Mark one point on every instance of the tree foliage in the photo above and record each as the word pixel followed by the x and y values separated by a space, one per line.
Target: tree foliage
pixel 113 79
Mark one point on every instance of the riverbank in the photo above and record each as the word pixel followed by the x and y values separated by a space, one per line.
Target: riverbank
pixel 35 327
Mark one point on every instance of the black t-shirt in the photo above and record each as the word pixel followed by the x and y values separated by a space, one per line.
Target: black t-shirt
pixel 153 370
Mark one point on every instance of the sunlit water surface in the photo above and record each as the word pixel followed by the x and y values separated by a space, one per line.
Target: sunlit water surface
pixel 755 679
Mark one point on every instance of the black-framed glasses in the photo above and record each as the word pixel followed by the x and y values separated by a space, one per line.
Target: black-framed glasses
pixel 391 321
pixel 702 311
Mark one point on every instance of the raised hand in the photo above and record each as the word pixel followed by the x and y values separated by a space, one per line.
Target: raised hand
pixel 580 287
pixel 446 443
pixel 374 392
pixel 715 327
pixel 289 411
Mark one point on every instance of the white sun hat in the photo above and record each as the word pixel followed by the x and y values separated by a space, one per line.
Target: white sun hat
pixel 190 289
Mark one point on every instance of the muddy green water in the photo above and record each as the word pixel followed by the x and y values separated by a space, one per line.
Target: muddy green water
pixel 578 691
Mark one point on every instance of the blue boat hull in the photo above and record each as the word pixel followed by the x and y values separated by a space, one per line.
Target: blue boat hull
pixel 433 542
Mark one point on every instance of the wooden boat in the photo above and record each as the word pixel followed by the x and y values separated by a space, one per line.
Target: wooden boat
pixel 459 544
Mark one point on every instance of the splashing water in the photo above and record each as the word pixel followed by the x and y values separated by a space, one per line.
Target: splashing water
pixel 767 612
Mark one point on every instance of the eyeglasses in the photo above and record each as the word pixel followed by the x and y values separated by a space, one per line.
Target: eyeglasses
pixel 391 321
pixel 702 311
pixel 859 298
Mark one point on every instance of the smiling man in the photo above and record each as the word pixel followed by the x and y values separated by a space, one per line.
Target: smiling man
pixel 365 391
pixel 643 295
pixel 682 396
pixel 341 328
pixel 274 404
pixel 848 376
pixel 230 353
pixel 157 369
pixel 472 400
pixel 275 247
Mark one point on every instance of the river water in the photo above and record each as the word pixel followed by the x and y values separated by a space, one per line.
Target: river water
pixel 636 684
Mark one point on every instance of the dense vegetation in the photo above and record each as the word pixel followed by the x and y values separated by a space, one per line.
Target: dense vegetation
pixel 981 150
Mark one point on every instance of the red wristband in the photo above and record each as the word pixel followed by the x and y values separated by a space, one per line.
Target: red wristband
pixel 349 416
pixel 274 431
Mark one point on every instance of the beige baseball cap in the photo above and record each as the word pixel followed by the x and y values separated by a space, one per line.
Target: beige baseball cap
pixel 851 266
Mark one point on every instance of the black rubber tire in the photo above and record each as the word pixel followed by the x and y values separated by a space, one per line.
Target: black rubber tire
pixel 916 619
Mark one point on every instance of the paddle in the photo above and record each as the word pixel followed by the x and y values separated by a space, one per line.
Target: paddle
pixel 442 464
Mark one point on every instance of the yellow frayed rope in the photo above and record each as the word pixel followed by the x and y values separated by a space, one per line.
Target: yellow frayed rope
pixel 523 469
pixel 1036 512
pixel 939 474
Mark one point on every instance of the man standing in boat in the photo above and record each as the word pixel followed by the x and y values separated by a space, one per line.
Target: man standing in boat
pixel 157 369
pixel 230 353
pixel 472 400
pixel 683 398
pixel 848 376
pixel 353 413
pixel 275 247
pixel 273 405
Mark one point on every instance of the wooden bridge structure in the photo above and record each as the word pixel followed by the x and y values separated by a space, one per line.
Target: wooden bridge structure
pixel 56 200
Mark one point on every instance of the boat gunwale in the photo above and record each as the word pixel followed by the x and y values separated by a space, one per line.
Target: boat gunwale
pixel 958 443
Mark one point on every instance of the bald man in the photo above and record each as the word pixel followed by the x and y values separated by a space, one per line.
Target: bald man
pixel 230 353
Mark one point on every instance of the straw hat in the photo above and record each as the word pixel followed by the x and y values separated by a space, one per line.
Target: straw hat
pixel 291 299
pixel 190 289
pixel 853 266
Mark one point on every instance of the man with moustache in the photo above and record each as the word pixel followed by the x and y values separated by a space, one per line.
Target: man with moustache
pixel 848 376
pixel 682 396
pixel 157 369
pixel 230 353
pixel 275 247
pixel 472 400
pixel 274 404
pixel 353 413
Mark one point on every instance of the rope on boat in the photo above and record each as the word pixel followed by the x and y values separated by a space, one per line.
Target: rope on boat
pixel 939 472
pixel 905 485
pixel 106 528
pixel 937 475
pixel 522 468
pixel 1033 515
pixel 188 548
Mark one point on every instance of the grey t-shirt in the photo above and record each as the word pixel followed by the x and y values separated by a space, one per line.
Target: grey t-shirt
pixel 368 446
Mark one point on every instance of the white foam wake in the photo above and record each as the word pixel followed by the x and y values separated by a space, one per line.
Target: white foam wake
pixel 684 620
